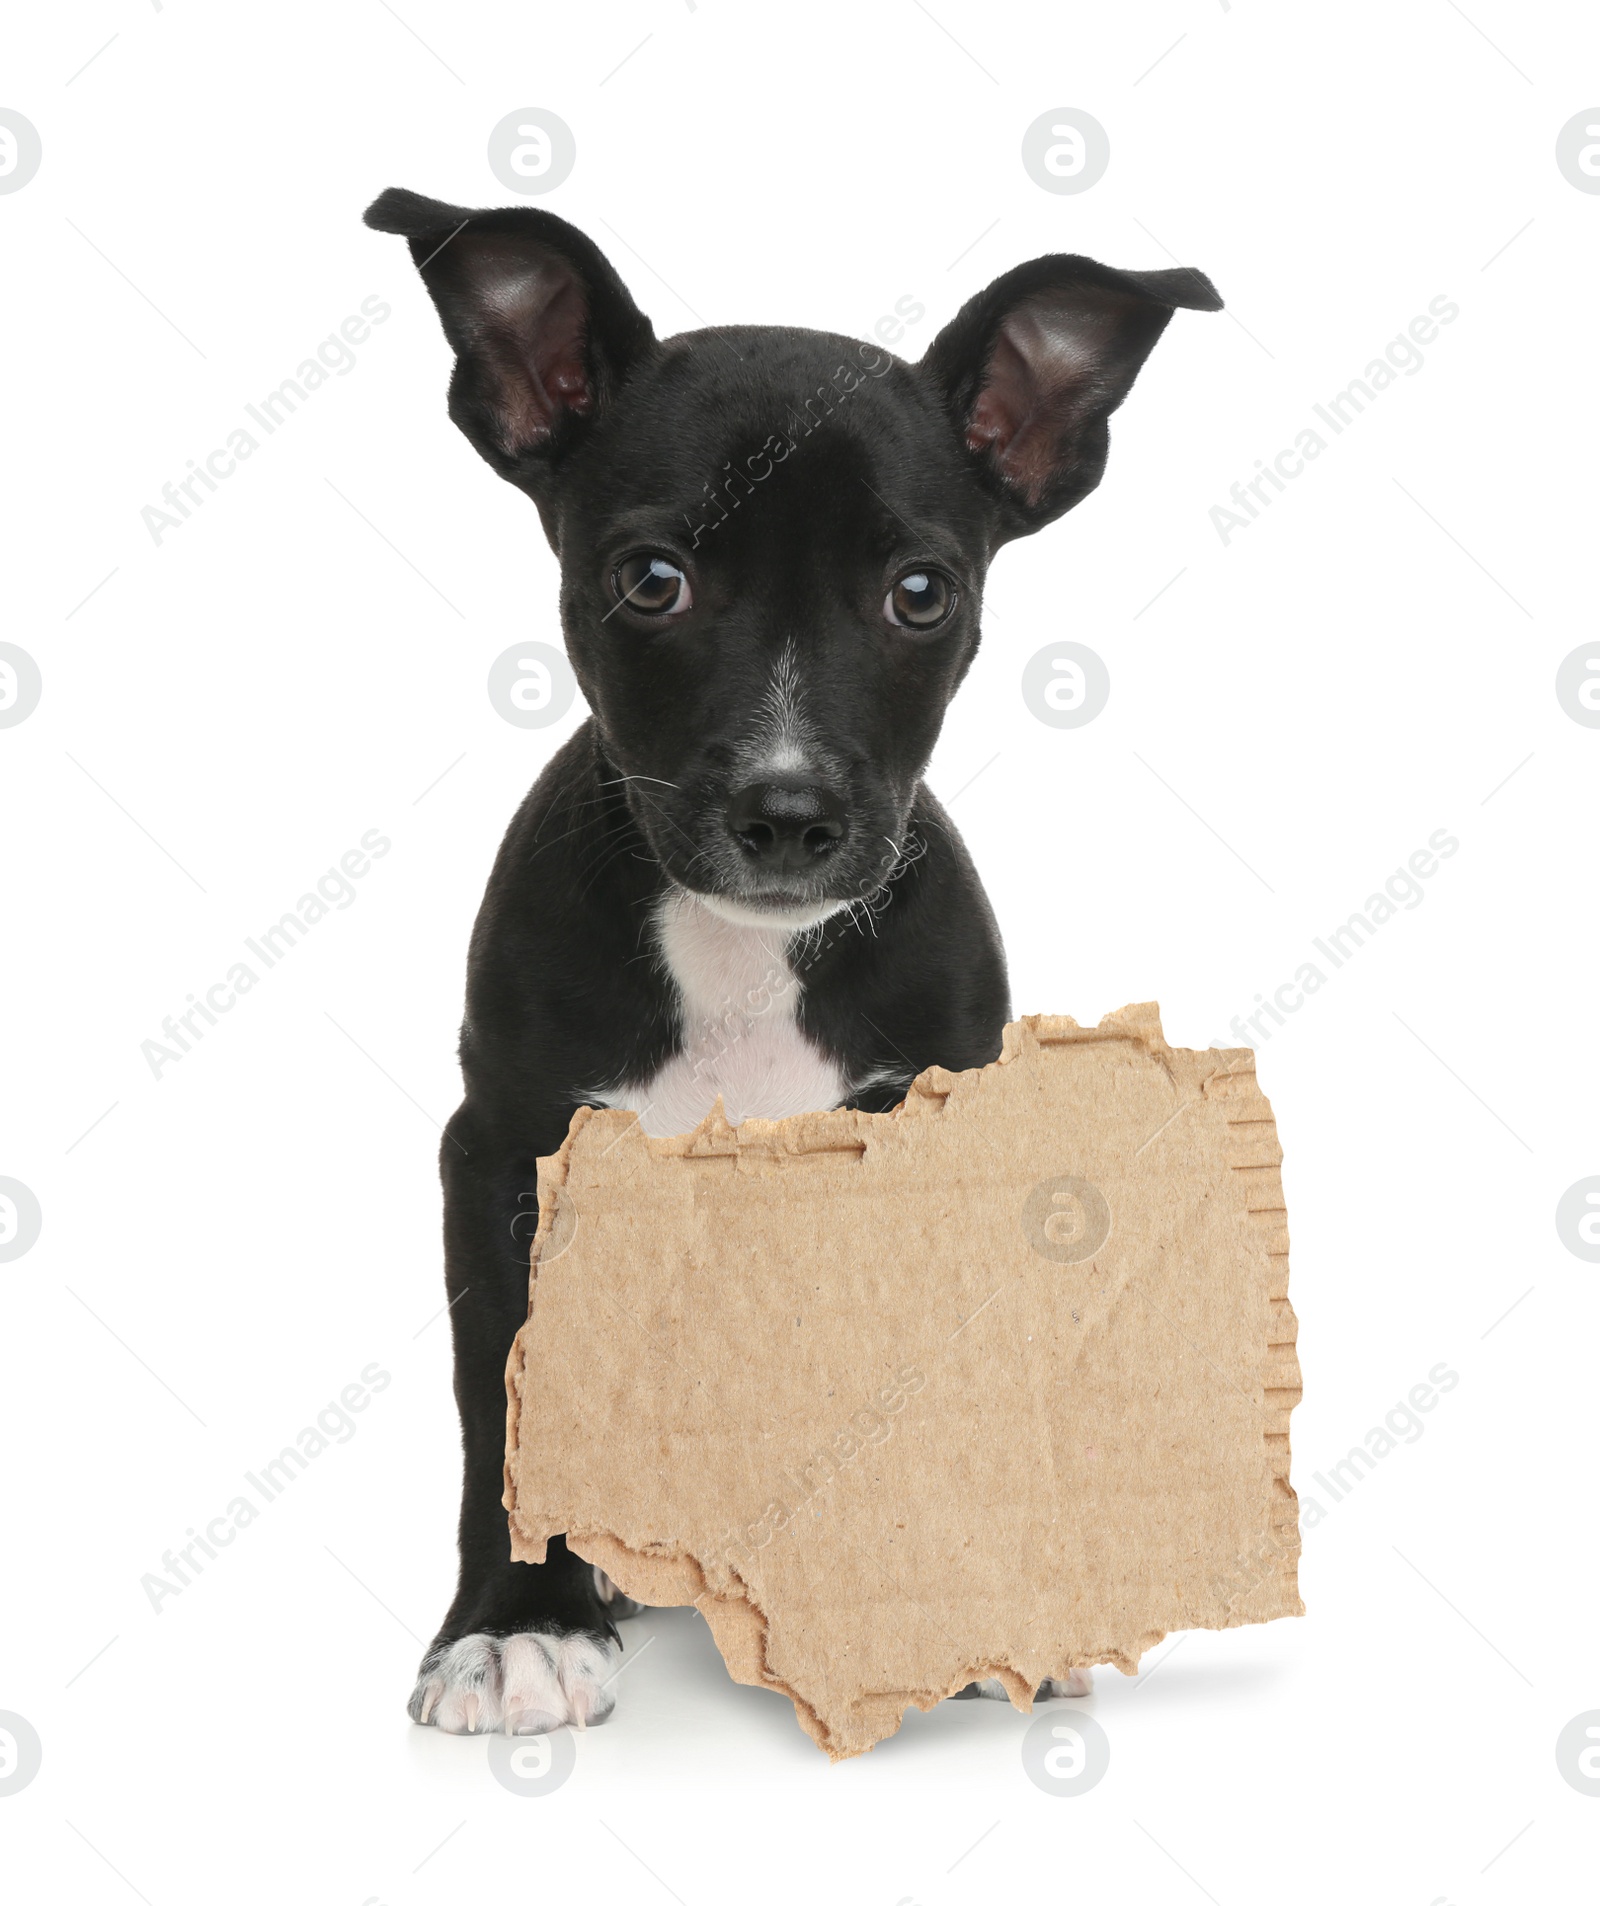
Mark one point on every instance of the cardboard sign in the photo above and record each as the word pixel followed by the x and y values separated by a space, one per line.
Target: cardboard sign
pixel 997 1383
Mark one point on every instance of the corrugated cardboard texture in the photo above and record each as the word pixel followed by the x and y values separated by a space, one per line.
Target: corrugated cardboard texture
pixel 997 1383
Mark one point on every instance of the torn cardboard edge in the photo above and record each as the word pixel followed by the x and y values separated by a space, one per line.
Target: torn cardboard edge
pixel 1155 1388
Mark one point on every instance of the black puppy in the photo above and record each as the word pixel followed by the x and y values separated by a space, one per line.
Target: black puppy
pixel 731 880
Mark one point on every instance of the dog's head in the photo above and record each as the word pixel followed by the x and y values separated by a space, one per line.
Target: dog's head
pixel 773 542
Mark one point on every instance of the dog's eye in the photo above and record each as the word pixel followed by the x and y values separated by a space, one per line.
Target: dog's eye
pixel 921 600
pixel 652 584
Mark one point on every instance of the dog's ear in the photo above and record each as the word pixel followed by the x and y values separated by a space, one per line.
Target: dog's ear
pixel 542 327
pixel 1031 369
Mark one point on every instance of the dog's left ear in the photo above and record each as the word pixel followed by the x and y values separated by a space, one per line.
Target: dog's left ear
pixel 542 327
pixel 1031 369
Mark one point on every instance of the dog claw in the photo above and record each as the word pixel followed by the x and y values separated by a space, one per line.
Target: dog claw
pixel 431 1700
pixel 532 1720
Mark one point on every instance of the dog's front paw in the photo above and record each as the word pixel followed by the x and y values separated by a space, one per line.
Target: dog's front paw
pixel 526 1684
pixel 1077 1682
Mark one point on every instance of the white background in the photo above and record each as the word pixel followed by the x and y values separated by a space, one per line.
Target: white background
pixel 1293 717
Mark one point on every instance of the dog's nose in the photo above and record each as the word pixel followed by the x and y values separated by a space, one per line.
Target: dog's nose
pixel 786 825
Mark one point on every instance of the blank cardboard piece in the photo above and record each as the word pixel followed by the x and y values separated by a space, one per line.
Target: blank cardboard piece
pixel 997 1383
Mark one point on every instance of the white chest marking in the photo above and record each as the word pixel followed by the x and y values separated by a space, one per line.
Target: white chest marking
pixel 737 999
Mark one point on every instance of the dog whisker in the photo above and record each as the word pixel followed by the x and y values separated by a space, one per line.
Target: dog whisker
pixel 618 780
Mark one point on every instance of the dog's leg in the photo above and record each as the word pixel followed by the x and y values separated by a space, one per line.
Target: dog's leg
pixel 525 1647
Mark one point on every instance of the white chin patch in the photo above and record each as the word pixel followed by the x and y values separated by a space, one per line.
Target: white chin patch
pixel 740 913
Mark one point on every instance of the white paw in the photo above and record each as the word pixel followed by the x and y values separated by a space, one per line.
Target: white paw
pixel 526 1684
pixel 1079 1681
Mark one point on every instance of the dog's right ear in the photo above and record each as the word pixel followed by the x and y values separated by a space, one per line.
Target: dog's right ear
pixel 543 329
